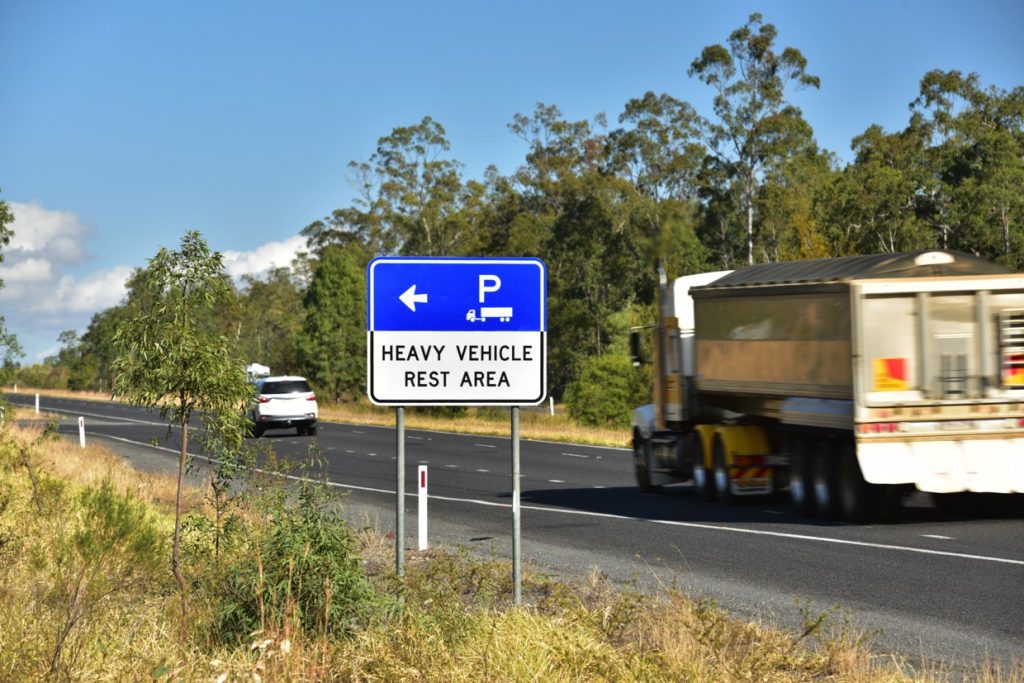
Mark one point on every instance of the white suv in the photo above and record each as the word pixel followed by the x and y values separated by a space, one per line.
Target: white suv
pixel 282 403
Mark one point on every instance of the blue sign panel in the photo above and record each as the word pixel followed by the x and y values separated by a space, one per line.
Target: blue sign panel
pixel 456 331
pixel 457 294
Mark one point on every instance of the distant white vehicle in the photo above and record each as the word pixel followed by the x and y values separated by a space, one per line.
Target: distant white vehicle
pixel 254 372
pixel 502 313
pixel 284 403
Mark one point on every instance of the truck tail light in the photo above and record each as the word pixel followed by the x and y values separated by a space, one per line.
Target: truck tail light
pixel 878 427
pixel 311 397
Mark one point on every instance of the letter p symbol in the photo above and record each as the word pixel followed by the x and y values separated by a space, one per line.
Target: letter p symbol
pixel 489 283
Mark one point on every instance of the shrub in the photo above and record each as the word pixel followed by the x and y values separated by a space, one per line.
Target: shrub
pixel 301 572
pixel 607 391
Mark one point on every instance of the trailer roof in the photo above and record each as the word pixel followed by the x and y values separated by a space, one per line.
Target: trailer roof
pixel 925 263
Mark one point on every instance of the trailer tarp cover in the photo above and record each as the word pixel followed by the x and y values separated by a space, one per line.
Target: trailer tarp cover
pixel 926 263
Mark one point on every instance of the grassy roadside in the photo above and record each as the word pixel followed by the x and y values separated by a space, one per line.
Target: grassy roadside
pixel 535 423
pixel 291 594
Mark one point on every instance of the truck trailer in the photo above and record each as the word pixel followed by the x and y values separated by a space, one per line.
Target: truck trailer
pixel 848 381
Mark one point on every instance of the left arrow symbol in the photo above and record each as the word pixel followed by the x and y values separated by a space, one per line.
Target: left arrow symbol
pixel 410 298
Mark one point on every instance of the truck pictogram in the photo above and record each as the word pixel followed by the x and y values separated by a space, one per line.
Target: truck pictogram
pixel 502 313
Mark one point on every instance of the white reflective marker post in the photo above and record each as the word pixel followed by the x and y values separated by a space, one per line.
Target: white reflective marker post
pixel 422 510
pixel 37 404
pixel 81 431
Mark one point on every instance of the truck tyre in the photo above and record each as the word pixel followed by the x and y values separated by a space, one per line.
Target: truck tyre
pixel 856 499
pixel 800 481
pixel 642 464
pixel 723 482
pixel 826 480
pixel 703 477
pixel 257 430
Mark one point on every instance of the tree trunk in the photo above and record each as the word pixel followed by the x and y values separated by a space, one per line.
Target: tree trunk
pixel 175 553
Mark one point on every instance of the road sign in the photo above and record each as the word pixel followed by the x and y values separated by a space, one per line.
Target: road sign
pixel 456 331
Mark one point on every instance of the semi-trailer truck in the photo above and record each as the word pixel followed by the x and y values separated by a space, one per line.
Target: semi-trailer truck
pixel 848 381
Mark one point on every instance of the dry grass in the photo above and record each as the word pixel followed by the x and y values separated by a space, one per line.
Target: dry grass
pixel 454 622
pixel 534 423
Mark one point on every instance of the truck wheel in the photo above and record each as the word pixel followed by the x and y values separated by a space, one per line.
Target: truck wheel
pixel 703 477
pixel 642 464
pixel 856 501
pixel 826 480
pixel 257 430
pixel 723 482
pixel 801 484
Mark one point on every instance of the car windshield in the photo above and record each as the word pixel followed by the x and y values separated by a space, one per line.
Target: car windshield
pixel 296 386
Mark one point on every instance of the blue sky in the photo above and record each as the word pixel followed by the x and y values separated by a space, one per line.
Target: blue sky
pixel 122 124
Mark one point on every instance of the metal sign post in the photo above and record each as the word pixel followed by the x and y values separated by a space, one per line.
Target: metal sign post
pixel 517 571
pixel 400 491
pixel 456 331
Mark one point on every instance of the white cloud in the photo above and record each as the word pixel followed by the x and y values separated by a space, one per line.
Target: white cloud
pixel 40 297
pixel 38 231
pixel 90 294
pixel 263 258
pixel 30 270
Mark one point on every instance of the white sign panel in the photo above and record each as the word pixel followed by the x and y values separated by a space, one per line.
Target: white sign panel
pixel 457 331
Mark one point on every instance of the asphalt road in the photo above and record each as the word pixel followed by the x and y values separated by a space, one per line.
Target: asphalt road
pixel 934 586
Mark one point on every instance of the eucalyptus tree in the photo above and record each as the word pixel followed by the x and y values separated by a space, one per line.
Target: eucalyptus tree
pixel 872 205
pixel 332 341
pixel 755 125
pixel 170 360
pixel 976 164
pixel 659 151
pixel 10 349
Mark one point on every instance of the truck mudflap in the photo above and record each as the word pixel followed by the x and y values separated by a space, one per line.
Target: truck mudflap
pixel 981 465
pixel 748 459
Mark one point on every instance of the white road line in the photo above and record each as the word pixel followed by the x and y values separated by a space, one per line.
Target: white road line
pixel 941 538
pixel 482 471
pixel 556 481
pixel 109 417
pixel 414 438
pixel 452 467
pixel 576 455
pixel 599 487
pixel 356 431
pixel 348 451
pixel 485 445
pixel 625 518
pixel 372 455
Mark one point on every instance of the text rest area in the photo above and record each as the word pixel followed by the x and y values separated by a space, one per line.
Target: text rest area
pixel 438 368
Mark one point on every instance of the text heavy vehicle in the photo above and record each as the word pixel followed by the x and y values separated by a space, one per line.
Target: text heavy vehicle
pixel 849 381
